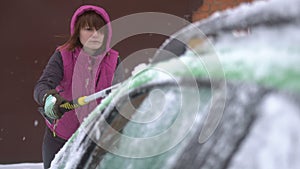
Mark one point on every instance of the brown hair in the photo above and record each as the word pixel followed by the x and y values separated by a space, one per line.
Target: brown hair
pixel 91 19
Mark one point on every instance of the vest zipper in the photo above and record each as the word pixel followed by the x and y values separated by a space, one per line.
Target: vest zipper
pixel 90 68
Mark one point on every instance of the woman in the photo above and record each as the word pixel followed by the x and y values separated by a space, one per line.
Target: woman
pixel 83 65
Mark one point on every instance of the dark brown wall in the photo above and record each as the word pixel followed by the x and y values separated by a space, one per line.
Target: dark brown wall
pixel 30 32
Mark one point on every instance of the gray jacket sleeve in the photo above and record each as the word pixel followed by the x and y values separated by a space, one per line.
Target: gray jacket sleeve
pixel 50 78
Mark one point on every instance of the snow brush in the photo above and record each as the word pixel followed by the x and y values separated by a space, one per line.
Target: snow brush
pixel 81 101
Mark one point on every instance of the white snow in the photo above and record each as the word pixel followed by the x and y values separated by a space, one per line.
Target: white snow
pixel 275 139
pixel 22 166
pixel 36 123
pixel 268 56
pixel 139 68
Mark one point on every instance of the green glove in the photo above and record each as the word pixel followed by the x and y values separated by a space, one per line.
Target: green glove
pixel 52 102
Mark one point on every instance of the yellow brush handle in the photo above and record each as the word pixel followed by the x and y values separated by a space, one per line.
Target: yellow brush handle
pixel 74 104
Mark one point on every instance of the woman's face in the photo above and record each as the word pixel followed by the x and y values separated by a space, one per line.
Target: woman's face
pixel 90 38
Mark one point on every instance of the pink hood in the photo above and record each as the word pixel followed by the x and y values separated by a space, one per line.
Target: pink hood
pixel 99 11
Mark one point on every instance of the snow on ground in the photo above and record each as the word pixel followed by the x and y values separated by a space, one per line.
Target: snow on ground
pixel 22 166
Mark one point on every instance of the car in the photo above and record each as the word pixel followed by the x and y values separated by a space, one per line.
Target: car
pixel 230 100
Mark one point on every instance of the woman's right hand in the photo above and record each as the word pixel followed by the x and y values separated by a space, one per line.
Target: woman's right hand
pixel 52 102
